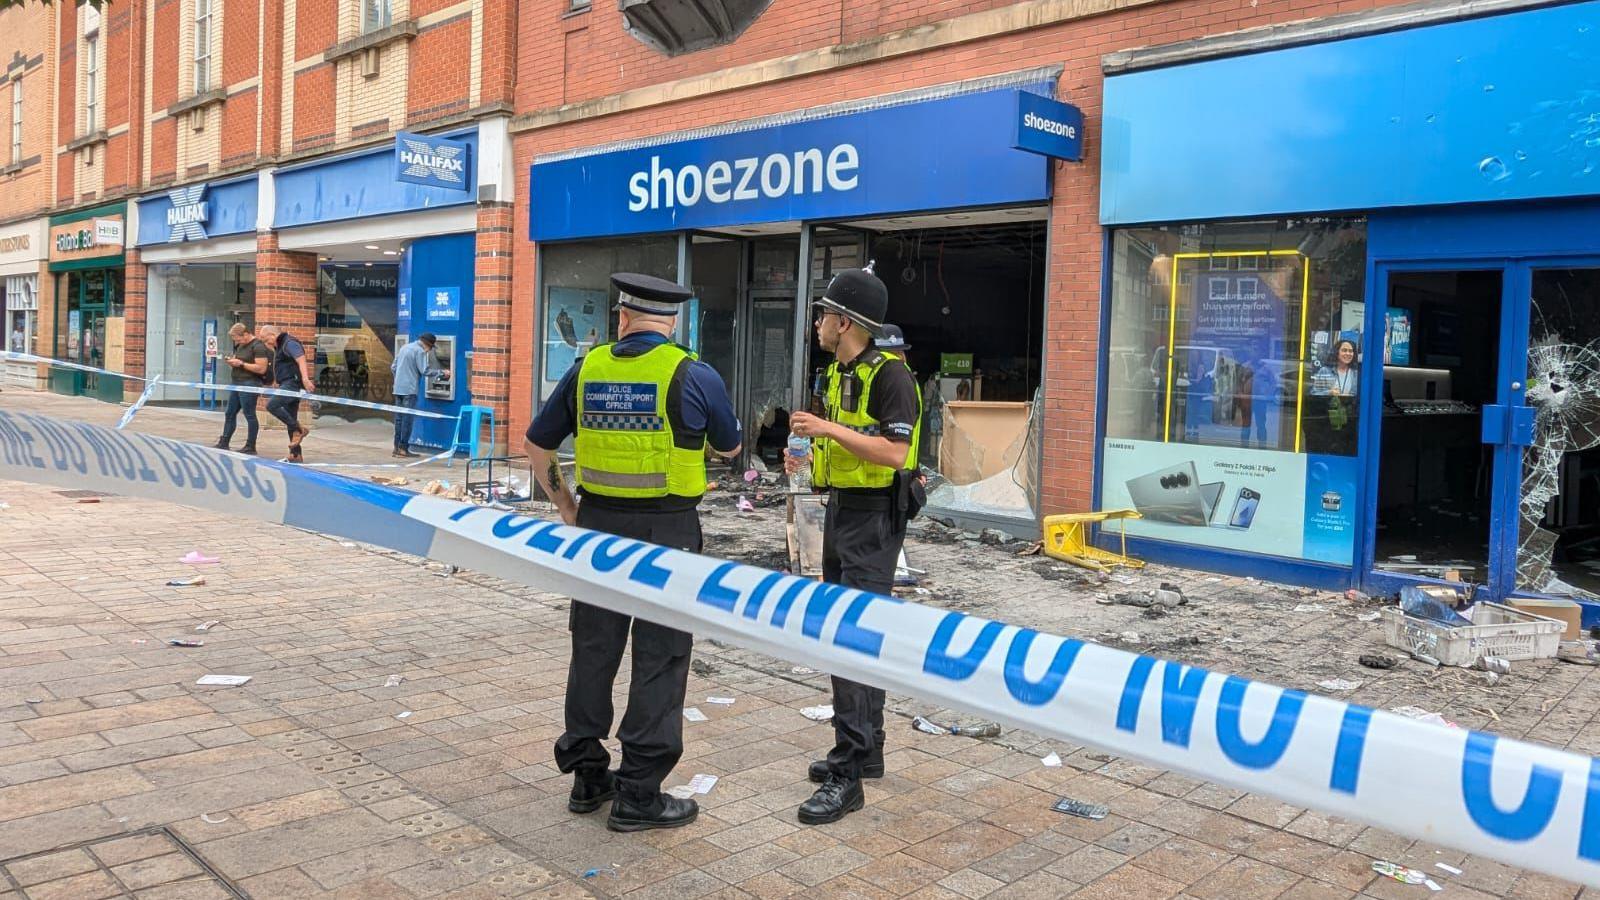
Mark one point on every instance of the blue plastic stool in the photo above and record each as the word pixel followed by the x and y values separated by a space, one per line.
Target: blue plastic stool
pixel 470 420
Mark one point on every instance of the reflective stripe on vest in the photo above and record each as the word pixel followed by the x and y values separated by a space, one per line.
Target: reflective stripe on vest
pixel 625 445
pixel 834 466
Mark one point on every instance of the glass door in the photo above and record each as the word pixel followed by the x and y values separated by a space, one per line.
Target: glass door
pixel 1557 526
pixel 766 401
pixel 1441 380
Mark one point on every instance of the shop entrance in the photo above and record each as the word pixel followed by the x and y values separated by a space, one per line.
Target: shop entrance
pixel 1488 464
pixel 743 323
pixel 90 332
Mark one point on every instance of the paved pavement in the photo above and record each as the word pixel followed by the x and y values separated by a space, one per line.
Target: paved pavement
pixel 121 778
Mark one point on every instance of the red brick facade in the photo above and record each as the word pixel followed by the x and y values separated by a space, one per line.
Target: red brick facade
pixel 854 54
pixel 493 367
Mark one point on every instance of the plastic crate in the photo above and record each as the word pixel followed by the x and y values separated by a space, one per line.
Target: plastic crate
pixel 1497 631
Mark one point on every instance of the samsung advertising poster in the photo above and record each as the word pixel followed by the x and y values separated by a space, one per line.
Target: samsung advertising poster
pixel 1281 503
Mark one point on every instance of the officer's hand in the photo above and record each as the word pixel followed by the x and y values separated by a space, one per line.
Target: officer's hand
pixel 806 425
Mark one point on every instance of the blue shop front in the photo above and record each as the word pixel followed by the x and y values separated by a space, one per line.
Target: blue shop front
pixel 198 242
pixel 394 229
pixel 945 190
pixel 1351 329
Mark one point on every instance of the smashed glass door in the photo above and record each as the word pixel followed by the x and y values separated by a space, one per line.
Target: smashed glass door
pixel 1558 528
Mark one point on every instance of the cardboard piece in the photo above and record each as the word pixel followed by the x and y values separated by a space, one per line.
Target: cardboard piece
pixel 1560 609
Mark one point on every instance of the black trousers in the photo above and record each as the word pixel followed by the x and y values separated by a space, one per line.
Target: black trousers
pixel 652 726
pixel 859 550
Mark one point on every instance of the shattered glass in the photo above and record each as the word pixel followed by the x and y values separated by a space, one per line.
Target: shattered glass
pixel 1563 388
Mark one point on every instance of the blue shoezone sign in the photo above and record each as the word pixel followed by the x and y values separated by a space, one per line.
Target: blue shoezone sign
pixel 435 161
pixel 1049 127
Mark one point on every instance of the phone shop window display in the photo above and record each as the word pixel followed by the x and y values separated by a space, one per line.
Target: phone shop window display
pixel 1233 383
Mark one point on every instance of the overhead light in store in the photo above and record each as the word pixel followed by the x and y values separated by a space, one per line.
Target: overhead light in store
pixel 372 246
pixel 368 265
pixel 391 253
pixel 1022 212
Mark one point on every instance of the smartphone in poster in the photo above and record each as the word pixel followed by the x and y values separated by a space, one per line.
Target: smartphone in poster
pixel 1249 500
pixel 575 321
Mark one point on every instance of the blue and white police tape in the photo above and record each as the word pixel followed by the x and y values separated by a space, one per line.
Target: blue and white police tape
pixel 13 356
pixel 1525 804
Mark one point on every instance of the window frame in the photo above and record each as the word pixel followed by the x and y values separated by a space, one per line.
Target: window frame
pixel 91 81
pixel 16 121
pixel 385 17
pixel 204 24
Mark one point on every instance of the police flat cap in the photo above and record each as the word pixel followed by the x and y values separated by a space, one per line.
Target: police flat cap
pixel 891 338
pixel 649 294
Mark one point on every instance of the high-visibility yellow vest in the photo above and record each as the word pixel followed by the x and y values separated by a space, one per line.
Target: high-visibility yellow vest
pixel 628 440
pixel 832 466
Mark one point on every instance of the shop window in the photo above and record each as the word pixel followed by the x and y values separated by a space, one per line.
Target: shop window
pixel 576 296
pixel 197 300
pixel 203 22
pixel 1231 398
pixel 22 315
pixel 970 301
pixel 357 325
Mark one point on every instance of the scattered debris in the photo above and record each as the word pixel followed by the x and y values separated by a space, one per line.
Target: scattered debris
pixel 1081 809
pixel 1369 617
pixel 818 713
pixel 802 670
pixel 1053 761
pixel 1422 715
pixel 443 570
pixel 348 545
pixel 702 784
pixel 1355 596
pixel 1495 665
pixel 1033 549
pixel 1338 684
pixel 745 505
pixel 391 480
pixel 720 701
pixel 1170 595
pixel 208 625
pixel 88 499
pixel 33 700
pixel 1124 579
pixel 750 475
pixel 611 870
pixel 1399 873
pixel 209 820
pixel 223 680
pixel 393 680
pixel 927 727
pixel 693 714
pixel 994 537
pixel 184 642
pixel 1131 637
pixel 1375 661
pixel 191 581
pixel 1432 885
pixel 1310 607
pixel 980 730
pixel 1447 867
pixel 701 667
pixel 403 715
pixel 196 558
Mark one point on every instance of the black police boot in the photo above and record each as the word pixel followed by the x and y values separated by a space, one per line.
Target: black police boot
pixel 662 811
pixel 832 801
pixel 872 768
pixel 589 791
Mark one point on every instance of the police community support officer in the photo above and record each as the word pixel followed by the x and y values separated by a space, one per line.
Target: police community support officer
pixel 860 449
pixel 644 410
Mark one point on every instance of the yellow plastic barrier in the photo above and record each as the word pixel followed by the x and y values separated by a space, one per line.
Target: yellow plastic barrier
pixel 1067 538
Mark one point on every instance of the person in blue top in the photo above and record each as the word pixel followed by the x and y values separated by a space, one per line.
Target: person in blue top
pixel 643 413
pixel 412 367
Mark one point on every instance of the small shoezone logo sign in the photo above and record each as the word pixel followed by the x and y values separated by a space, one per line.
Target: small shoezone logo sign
pixel 1049 127
pixel 433 161
pixel 186 217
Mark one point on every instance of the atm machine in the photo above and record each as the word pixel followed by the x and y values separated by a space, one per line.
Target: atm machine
pixel 431 267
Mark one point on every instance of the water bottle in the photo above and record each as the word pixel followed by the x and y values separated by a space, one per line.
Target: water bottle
pixel 800 451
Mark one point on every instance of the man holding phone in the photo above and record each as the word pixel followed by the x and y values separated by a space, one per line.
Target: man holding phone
pixel 248 365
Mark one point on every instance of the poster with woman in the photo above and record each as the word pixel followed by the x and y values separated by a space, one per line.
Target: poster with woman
pixel 575 320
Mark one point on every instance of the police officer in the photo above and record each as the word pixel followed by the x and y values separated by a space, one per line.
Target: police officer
pixel 861 449
pixel 893 342
pixel 643 410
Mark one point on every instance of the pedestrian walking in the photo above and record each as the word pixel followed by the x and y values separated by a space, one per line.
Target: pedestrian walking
pixel 864 447
pixel 290 372
pixel 412 367
pixel 643 411
pixel 248 363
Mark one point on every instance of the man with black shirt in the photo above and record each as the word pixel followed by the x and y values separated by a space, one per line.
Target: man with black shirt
pixel 863 447
pixel 642 412
pixel 248 365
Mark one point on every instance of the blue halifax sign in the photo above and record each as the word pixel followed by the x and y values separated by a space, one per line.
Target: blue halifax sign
pixel 936 154
pixel 1049 127
pixel 434 161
